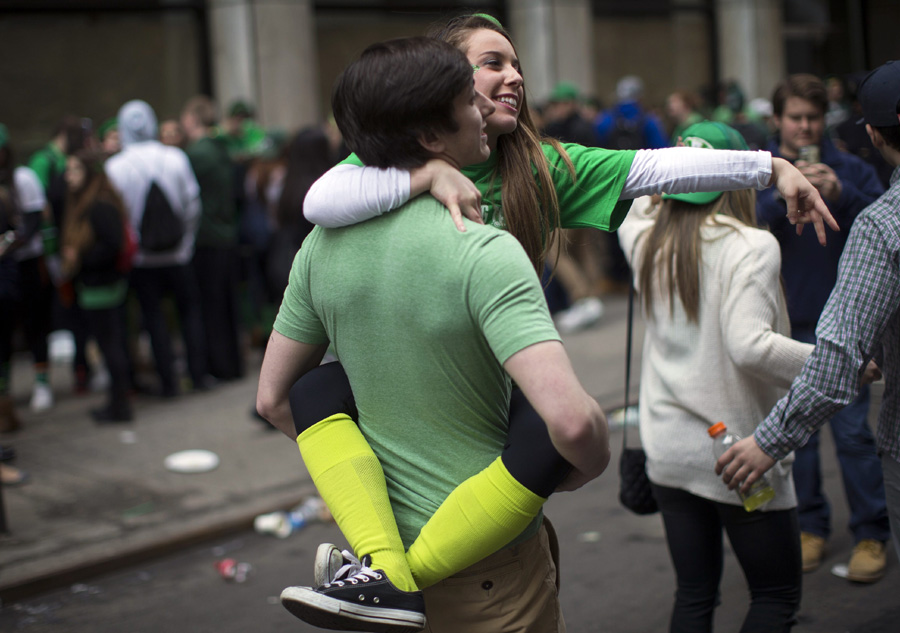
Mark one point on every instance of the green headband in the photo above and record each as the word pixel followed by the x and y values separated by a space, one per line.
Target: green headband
pixel 489 18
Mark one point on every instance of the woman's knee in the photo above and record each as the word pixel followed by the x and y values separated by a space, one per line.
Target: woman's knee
pixel 321 393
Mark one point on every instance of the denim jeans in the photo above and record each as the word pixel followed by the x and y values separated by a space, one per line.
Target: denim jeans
pixel 891 469
pixel 860 471
pixel 766 544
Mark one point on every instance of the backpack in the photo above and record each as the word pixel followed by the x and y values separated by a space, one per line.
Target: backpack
pixel 627 134
pixel 161 229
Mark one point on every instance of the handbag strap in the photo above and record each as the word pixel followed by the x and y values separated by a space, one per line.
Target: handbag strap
pixel 628 360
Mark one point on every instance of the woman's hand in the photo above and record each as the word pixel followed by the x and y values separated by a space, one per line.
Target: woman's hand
pixel 450 187
pixel 804 204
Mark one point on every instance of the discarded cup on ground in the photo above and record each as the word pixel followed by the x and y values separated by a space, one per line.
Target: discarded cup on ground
pixel 283 524
pixel 230 569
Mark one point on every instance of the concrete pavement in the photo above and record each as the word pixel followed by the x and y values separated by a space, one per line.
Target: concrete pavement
pixel 100 497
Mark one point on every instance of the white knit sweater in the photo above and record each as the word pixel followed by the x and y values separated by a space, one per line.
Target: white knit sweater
pixel 731 366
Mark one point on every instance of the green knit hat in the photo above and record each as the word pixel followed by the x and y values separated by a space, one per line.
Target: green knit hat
pixel 564 91
pixel 709 135
pixel 106 127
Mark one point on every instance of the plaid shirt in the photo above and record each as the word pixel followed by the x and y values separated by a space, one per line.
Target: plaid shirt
pixel 861 321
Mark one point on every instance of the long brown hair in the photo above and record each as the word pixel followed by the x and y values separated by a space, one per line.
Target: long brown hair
pixel 530 204
pixel 77 231
pixel 673 247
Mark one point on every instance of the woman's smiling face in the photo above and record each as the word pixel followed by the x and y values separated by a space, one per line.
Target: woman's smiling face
pixel 498 78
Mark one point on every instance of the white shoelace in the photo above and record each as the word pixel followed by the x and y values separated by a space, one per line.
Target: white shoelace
pixel 353 572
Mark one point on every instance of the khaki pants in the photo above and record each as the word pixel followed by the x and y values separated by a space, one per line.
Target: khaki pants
pixel 513 590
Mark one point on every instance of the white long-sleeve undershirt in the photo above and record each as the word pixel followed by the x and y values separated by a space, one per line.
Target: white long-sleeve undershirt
pixel 349 194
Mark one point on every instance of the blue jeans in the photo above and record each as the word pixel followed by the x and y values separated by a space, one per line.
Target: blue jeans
pixel 766 544
pixel 860 470
pixel 891 468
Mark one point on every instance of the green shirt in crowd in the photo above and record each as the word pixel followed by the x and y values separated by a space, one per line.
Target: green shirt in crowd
pixel 215 175
pixel 48 162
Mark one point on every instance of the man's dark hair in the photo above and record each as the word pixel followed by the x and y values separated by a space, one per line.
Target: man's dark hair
pixel 74 130
pixel 395 92
pixel 891 134
pixel 801 85
pixel 203 109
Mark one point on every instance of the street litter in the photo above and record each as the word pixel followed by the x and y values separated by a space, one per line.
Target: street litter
pixel 230 569
pixel 128 437
pixel 192 461
pixel 623 416
pixel 283 524
pixel 589 537
pixel 840 570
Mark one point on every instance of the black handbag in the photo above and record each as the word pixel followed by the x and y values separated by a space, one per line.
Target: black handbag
pixel 635 491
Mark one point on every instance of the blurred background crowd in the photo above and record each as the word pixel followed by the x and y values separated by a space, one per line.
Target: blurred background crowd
pixel 127 320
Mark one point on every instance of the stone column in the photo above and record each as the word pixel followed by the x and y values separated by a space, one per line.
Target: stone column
pixel 233 58
pixel 554 41
pixel 751 44
pixel 287 63
pixel 264 52
pixel 691 46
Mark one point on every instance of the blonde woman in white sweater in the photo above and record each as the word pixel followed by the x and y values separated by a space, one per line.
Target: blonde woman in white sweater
pixel 717 348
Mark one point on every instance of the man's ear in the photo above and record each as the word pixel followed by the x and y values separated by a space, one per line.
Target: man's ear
pixel 433 143
pixel 875 136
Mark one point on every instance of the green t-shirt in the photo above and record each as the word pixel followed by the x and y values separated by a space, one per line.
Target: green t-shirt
pixel 215 175
pixel 48 162
pixel 591 201
pixel 422 317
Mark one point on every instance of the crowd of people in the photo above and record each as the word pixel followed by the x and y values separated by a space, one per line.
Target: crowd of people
pixel 184 231
pixel 593 265
pixel 455 428
pixel 718 344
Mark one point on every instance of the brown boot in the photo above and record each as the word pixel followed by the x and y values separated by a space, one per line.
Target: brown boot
pixel 9 421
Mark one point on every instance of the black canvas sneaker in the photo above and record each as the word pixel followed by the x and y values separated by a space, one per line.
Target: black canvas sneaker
pixel 365 600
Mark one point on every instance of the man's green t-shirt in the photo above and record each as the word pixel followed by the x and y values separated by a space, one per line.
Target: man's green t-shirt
pixel 215 175
pixel 422 317
pixel 48 162
pixel 590 201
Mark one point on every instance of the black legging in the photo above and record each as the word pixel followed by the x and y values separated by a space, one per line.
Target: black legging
pixel 529 455
pixel 766 544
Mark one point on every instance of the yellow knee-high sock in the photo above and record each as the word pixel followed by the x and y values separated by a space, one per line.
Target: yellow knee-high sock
pixel 484 513
pixel 350 480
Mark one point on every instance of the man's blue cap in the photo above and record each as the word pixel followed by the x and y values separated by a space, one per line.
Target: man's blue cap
pixel 879 95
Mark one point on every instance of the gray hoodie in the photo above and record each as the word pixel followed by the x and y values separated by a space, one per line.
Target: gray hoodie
pixel 137 123
pixel 144 160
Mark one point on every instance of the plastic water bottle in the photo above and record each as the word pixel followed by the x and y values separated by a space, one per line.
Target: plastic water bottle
pixel 761 492
pixel 283 524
